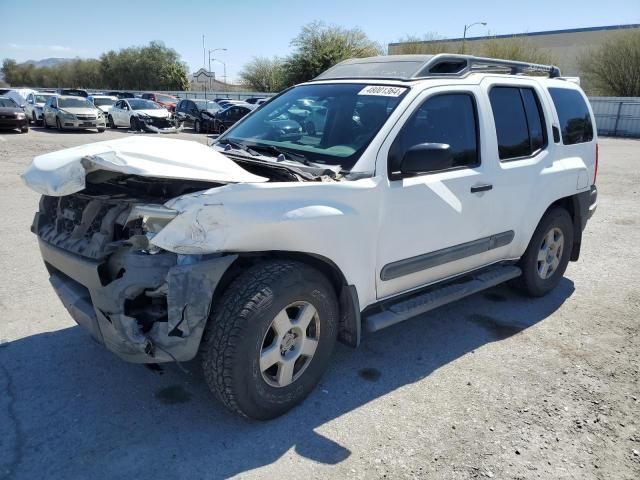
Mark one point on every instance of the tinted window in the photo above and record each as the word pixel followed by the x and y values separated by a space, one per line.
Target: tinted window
pixel 537 131
pixel 448 118
pixel 511 122
pixel 575 121
pixel 519 121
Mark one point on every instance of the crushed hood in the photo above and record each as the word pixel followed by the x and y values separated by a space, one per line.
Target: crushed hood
pixel 63 172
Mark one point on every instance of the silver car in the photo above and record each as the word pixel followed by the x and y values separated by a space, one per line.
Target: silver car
pixel 34 106
pixel 68 112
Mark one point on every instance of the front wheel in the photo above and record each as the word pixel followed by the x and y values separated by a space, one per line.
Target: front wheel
pixel 133 123
pixel 111 122
pixel 196 126
pixel 269 338
pixel 547 256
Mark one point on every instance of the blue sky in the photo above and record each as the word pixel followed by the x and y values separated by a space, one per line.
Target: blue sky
pixel 66 28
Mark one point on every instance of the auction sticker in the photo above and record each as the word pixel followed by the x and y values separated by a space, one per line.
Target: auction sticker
pixel 382 90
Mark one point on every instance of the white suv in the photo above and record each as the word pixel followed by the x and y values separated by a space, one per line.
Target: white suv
pixel 431 178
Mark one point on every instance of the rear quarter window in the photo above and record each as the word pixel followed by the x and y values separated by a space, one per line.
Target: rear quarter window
pixel 573 113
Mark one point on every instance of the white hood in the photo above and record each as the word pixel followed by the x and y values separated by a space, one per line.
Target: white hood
pixel 156 113
pixel 63 172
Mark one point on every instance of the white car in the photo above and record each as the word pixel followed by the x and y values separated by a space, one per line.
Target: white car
pixel 140 114
pixel 103 102
pixel 433 178
pixel 34 105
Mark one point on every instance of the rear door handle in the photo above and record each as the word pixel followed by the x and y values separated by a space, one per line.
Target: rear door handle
pixel 481 188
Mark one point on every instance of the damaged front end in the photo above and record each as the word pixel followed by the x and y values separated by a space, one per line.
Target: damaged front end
pixel 145 304
pixel 159 124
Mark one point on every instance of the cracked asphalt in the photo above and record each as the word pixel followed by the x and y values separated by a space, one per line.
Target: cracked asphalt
pixel 494 386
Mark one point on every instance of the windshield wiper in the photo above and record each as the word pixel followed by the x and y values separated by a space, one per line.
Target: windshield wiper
pixel 237 146
pixel 286 154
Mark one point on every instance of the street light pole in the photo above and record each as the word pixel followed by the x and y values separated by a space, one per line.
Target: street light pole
pixel 464 36
pixel 225 68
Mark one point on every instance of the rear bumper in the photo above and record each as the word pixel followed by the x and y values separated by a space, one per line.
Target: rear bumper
pixel 154 310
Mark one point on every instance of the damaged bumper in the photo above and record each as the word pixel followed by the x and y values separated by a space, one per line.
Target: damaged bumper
pixel 144 308
pixel 159 125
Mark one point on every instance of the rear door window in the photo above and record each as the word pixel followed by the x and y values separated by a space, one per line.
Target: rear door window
pixel 520 126
pixel 573 113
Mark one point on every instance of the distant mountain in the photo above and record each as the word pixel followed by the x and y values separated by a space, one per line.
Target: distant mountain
pixel 47 62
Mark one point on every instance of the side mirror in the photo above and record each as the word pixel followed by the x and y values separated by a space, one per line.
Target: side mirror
pixel 426 157
pixel 23 105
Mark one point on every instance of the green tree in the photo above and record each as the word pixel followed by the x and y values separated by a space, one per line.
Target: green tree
pixel 320 46
pixel 614 68
pixel 264 74
pixel 427 44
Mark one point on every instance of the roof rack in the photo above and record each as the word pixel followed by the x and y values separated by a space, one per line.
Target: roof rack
pixel 415 67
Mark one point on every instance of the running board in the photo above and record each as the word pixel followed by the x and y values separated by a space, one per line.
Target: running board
pixel 408 307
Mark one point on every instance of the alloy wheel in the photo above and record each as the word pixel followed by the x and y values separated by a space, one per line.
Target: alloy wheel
pixel 550 253
pixel 289 344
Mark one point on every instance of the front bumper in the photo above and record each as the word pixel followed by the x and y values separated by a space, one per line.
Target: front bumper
pixel 79 123
pixel 7 121
pixel 154 310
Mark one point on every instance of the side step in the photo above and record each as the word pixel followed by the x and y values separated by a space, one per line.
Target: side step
pixel 397 311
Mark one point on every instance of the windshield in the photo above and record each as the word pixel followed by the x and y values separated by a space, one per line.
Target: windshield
pixel 206 105
pixel 166 99
pixel 100 102
pixel 42 98
pixel 7 102
pixel 325 123
pixel 74 102
pixel 139 104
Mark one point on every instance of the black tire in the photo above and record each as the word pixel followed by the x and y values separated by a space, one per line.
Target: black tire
pixel 196 126
pixel 238 329
pixel 111 123
pixel 34 120
pixel 134 124
pixel 221 129
pixel 24 129
pixel 531 282
pixel 101 130
pixel 44 122
pixel 58 126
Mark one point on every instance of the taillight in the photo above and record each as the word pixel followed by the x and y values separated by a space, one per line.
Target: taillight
pixel 595 174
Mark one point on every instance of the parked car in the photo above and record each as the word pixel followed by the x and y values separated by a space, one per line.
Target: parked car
pixel 167 101
pixel 19 95
pixel 72 112
pixel 34 106
pixel 140 114
pixel 12 116
pixel 74 92
pixel 227 117
pixel 197 114
pixel 254 100
pixel 442 180
pixel 103 102
pixel 121 94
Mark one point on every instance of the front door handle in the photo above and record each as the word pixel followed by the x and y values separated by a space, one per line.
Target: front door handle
pixel 481 188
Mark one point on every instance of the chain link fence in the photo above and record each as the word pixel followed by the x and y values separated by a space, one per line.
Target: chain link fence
pixel 617 116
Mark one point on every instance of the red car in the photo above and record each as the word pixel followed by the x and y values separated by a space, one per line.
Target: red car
pixel 167 101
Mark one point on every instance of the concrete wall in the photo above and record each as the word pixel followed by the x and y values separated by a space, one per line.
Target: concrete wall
pixel 565 46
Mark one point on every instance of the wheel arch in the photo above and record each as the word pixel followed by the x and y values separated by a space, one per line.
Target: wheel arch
pixel 349 330
pixel 575 206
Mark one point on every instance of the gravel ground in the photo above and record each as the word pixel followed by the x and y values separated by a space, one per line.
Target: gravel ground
pixel 494 386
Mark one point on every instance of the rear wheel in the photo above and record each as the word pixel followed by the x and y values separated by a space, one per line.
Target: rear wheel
pixel 196 126
pixel 269 338
pixel 547 256
pixel 44 121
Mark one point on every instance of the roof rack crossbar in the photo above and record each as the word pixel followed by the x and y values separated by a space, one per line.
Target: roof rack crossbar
pixel 468 63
